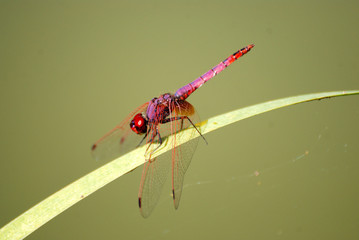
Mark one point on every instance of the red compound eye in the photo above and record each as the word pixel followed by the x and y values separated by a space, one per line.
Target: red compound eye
pixel 139 124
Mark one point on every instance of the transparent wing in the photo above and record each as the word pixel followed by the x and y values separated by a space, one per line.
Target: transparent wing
pixel 118 140
pixel 154 175
pixel 182 154
pixel 155 171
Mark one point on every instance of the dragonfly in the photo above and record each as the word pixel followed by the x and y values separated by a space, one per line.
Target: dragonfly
pixel 150 124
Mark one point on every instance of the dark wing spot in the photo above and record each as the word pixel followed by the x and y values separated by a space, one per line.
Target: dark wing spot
pixel 173 194
pixel 93 147
pixel 139 202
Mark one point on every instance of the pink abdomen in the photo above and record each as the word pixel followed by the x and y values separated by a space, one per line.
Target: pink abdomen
pixel 185 91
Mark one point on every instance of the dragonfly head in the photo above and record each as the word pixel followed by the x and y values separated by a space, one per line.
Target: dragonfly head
pixel 139 124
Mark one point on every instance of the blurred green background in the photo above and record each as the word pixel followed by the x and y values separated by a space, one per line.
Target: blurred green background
pixel 71 70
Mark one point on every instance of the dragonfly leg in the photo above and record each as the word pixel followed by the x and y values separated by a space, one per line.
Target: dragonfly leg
pixel 155 133
pixel 159 139
pixel 182 124
pixel 182 118
pixel 142 140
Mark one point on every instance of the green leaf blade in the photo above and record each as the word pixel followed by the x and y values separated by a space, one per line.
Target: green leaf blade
pixel 55 204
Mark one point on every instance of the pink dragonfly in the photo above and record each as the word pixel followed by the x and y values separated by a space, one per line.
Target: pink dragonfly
pixel 152 123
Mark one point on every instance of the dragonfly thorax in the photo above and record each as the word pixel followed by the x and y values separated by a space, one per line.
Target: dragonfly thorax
pixel 159 108
pixel 157 111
